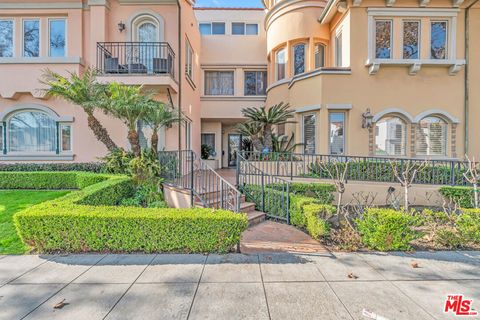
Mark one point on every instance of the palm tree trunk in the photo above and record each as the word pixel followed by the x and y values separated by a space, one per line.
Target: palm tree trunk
pixel 155 140
pixel 100 132
pixel 267 137
pixel 134 140
pixel 257 144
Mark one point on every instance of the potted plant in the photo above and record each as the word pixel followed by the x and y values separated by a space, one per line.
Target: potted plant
pixel 205 153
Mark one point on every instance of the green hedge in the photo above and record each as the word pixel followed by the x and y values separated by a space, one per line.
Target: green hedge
pixel 316 216
pixel 461 195
pixel 468 223
pixel 86 221
pixel 95 167
pixel 322 192
pixel 48 180
pixel 388 229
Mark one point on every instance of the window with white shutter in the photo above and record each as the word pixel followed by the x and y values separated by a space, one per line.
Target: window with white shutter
pixel 390 137
pixel 431 137
pixel 309 123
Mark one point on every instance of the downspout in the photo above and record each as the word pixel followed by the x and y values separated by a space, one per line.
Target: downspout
pixel 467 80
pixel 179 78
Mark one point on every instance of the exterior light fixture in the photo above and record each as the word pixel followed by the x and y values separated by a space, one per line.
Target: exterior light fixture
pixel 121 26
pixel 342 6
pixel 367 119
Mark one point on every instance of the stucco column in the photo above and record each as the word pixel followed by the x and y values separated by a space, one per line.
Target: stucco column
pixel 413 130
pixel 98 25
pixel 453 141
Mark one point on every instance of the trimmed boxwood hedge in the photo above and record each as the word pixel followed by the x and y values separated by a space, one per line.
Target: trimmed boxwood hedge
pixel 460 195
pixel 316 216
pixel 468 223
pixel 48 180
pixel 86 221
pixel 96 167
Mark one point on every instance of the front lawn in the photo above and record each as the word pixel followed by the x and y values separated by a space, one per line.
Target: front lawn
pixel 12 202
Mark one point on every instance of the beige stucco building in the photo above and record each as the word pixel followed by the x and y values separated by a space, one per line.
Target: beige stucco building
pixel 365 77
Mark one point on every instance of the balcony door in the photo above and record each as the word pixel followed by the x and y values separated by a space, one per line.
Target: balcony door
pixel 146 54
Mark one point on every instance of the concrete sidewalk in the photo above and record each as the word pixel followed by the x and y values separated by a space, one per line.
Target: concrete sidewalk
pixel 235 286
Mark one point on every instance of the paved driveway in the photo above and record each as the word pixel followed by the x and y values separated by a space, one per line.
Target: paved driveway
pixel 260 286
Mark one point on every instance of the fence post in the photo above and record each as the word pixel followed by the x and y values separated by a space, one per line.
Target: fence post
pixel 191 178
pixel 291 166
pixel 263 192
pixel 288 203
pixel 237 169
pixel 452 173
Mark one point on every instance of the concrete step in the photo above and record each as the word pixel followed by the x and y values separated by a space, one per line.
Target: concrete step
pixel 247 207
pixel 255 217
pixel 215 197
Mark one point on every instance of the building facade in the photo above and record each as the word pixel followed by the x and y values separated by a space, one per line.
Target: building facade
pixel 365 77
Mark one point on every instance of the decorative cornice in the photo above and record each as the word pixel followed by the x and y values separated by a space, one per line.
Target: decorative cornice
pixel 295 4
pixel 339 106
pixel 104 3
pixel 308 109
pixel 42 60
pixel 41 5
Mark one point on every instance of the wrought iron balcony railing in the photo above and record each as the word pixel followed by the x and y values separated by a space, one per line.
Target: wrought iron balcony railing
pixel 135 58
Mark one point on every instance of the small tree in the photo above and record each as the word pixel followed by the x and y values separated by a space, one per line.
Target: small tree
pixel 252 130
pixel 472 176
pixel 405 172
pixel 130 105
pixel 337 171
pixel 85 92
pixel 159 115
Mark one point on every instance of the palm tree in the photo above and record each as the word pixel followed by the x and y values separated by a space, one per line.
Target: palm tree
pixel 83 91
pixel 284 144
pixel 159 115
pixel 129 104
pixel 266 119
pixel 252 130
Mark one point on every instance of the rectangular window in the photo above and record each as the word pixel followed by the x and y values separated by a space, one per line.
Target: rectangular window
pixel 411 39
pixel 255 83
pixel 189 60
pixel 209 140
pixel 383 39
pixel 57 37
pixel 31 38
pixel 338 50
pixel 219 83
pixel 66 137
pixel 205 29
pixel 6 38
pixel 218 28
pixel 309 124
pixel 299 59
pixel 337 132
pixel 319 56
pixel 238 28
pixel 251 29
pixel 438 40
pixel 1 138
pixel 280 64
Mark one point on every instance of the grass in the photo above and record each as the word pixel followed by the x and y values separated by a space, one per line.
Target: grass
pixel 12 202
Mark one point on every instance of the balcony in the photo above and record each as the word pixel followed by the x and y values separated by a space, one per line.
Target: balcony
pixel 137 63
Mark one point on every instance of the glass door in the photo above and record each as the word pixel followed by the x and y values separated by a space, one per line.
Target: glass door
pixel 234 146
pixel 147 33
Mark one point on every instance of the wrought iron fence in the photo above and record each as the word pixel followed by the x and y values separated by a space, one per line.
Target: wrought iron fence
pixel 270 194
pixel 148 58
pixel 183 169
pixel 375 169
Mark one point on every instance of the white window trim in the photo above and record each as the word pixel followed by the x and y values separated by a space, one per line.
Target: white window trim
pixel 13 37
pixel 218 70
pixel 338 34
pixel 420 33
pixel 189 52
pixel 391 39
pixel 60 144
pixel 450 15
pixel 66 37
pixel 316 44
pixel 211 28
pixel 40 40
pixel 245 28
pixel 284 49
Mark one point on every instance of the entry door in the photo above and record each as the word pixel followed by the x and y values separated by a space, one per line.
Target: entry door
pixel 234 146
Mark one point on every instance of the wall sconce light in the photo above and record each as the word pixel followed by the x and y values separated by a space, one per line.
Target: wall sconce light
pixel 121 26
pixel 342 6
pixel 367 119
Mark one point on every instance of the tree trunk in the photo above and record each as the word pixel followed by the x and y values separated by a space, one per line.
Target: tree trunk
pixel 406 198
pixel 257 144
pixel 100 132
pixel 267 137
pixel 155 140
pixel 134 140
pixel 475 194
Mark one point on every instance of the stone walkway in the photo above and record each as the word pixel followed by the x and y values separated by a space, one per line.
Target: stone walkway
pixel 236 286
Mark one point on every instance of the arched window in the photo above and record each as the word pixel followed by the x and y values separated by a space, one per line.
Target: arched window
pixel 280 63
pixel 299 58
pixel 431 138
pixel 319 55
pixel 390 137
pixel 32 132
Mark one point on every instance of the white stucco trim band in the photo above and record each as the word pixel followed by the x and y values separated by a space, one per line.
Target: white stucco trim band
pixel 41 5
pixel 42 60
pixel 388 111
pixel 339 106
pixel 33 157
pixel 308 109
pixel 432 112
pixel 32 106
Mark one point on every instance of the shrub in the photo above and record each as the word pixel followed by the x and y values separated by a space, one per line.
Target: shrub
pixel 48 180
pixel 145 196
pixel 316 216
pixel 345 238
pixel 387 229
pixel 84 221
pixel 322 192
pixel 463 196
pixel 468 224
pixel 95 167
pixel 117 161
pixel 449 238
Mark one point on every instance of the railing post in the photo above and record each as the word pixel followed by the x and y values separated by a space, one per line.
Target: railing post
pixel 237 169
pixel 192 181
pixel 452 173
pixel 263 191
pixel 291 166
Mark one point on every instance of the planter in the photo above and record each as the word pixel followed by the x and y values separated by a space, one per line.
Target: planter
pixel 212 163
